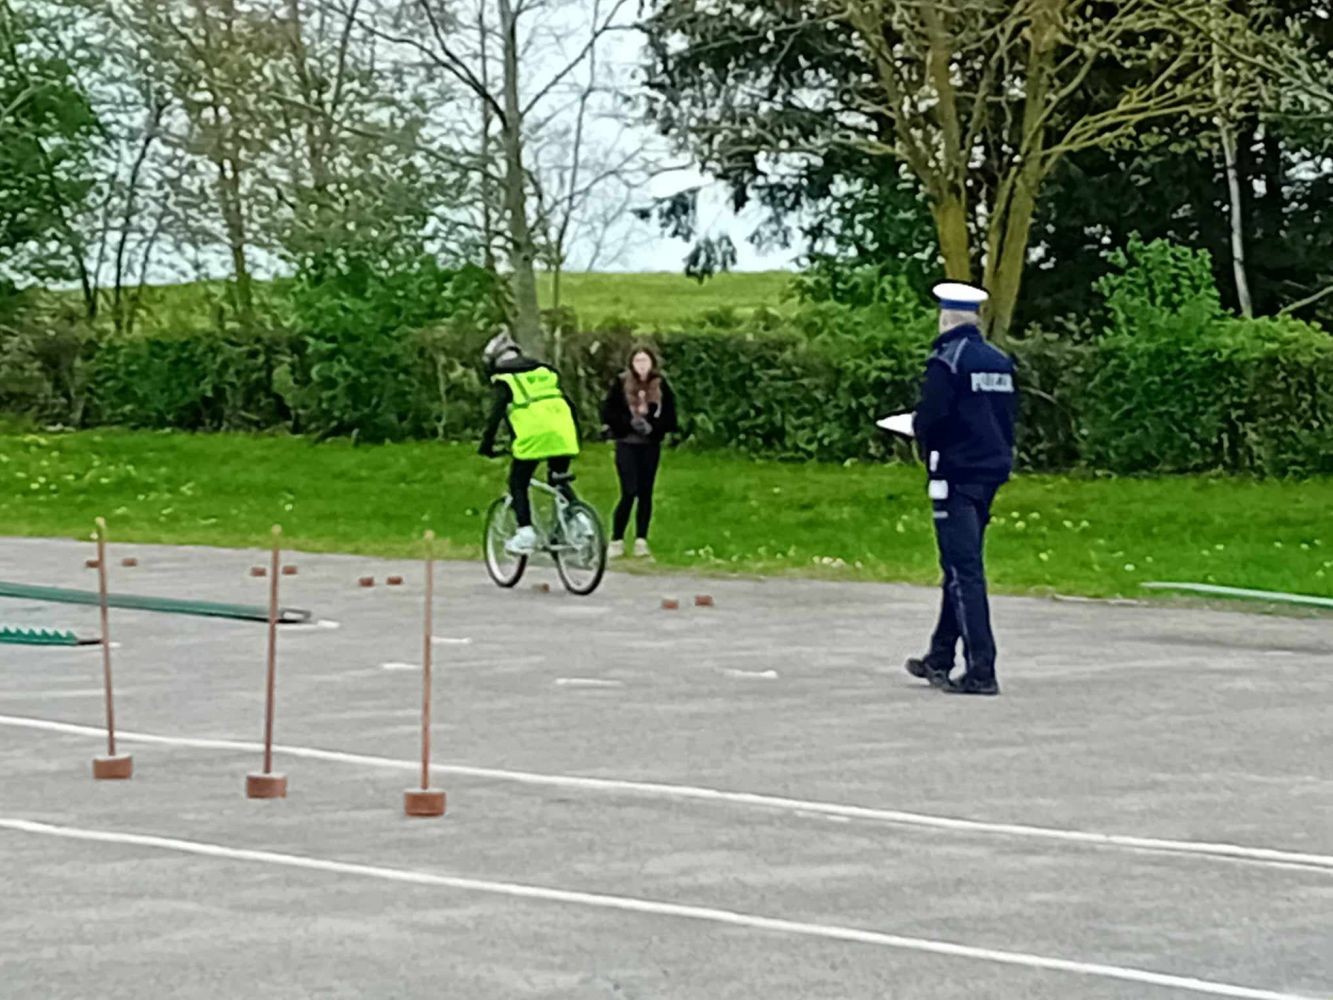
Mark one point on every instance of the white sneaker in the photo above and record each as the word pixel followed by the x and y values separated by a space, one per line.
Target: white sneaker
pixel 524 542
pixel 641 549
pixel 615 550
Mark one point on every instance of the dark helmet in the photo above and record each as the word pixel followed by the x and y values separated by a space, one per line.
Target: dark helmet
pixel 499 347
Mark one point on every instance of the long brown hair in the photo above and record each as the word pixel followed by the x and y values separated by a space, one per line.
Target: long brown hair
pixel 649 389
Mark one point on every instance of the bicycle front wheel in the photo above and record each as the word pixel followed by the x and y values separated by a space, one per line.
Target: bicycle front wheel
pixel 581 560
pixel 505 568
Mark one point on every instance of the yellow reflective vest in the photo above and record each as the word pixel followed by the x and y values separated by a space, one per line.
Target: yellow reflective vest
pixel 541 420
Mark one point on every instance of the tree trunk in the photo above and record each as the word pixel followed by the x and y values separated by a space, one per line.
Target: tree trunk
pixel 1010 222
pixel 950 212
pixel 1237 215
pixel 487 124
pixel 145 265
pixel 87 287
pixel 527 323
pixel 315 117
pixel 1011 231
pixel 152 125
pixel 229 195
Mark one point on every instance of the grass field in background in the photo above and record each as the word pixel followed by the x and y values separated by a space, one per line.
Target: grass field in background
pixel 717 512
pixel 663 301
pixel 648 302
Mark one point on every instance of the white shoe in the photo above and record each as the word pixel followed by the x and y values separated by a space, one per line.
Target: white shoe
pixel 524 542
pixel 616 550
pixel 641 550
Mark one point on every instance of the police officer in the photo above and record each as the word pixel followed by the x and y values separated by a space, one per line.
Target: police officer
pixel 964 426
pixel 544 425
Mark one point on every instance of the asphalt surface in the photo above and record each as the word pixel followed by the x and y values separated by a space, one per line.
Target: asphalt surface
pixel 837 864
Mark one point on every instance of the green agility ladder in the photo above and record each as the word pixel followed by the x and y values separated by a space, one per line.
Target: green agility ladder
pixel 41 637
pixel 164 605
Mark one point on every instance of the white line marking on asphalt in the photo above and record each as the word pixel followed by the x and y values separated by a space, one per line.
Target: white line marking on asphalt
pixel 323 625
pixel 764 675
pixel 657 908
pixel 1268 857
pixel 831 819
pixel 400 666
pixel 444 640
pixel 587 682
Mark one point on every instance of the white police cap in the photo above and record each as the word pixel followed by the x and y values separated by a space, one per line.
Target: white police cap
pixel 959 296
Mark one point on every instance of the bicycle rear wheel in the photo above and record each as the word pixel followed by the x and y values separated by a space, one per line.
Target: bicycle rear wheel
pixel 505 568
pixel 581 559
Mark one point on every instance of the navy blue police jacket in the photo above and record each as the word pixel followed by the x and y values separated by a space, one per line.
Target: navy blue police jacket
pixel 969 404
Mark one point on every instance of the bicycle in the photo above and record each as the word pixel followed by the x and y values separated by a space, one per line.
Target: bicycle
pixel 575 540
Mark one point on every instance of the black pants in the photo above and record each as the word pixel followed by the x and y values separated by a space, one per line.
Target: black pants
pixel 520 477
pixel 637 466
pixel 960 529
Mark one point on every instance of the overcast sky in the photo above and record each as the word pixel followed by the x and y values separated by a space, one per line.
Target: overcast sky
pixel 555 32
pixel 636 245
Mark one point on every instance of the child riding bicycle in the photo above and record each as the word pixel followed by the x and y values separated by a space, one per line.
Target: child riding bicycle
pixel 543 423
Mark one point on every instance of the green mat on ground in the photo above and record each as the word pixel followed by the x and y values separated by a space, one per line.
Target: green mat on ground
pixel 12 636
pixel 163 605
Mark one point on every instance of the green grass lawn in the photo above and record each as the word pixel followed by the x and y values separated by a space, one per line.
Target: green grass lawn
pixel 1093 537
pixel 661 301
pixel 649 302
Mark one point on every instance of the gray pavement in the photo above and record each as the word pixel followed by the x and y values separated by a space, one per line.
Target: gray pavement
pixel 1190 726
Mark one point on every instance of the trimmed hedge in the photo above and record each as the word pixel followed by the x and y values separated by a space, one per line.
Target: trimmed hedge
pixel 1248 396
pixel 1223 395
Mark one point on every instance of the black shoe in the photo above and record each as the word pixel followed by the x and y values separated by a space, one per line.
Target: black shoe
pixel 936 676
pixel 967 684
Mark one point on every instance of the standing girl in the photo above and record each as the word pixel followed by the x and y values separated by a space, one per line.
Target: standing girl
pixel 639 411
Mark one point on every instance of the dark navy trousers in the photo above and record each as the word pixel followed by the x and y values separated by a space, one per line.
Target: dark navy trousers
pixel 960 529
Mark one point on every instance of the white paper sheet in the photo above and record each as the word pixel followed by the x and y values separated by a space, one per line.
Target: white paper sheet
pixel 899 423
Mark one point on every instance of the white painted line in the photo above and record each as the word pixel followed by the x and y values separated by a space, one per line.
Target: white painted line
pixel 1275 596
pixel 656 908
pixel 767 675
pixel 323 625
pixel 587 682
pixel 831 819
pixel 400 666
pixel 381 713
pixel 1267 857
pixel 444 640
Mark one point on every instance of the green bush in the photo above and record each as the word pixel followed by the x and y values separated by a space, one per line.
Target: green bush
pixel 1177 385
pixel 358 370
pixel 45 346
pixel 1053 372
pixel 1173 385
pixel 1250 396
pixel 197 382
pixel 1153 282
pixel 1242 396
pixel 810 389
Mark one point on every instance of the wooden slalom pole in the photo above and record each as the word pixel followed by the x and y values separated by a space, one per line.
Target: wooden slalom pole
pixel 113 766
pixel 265 784
pixel 426 801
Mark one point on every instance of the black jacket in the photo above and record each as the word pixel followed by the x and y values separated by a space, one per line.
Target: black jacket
pixel 503 397
pixel 969 405
pixel 618 421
